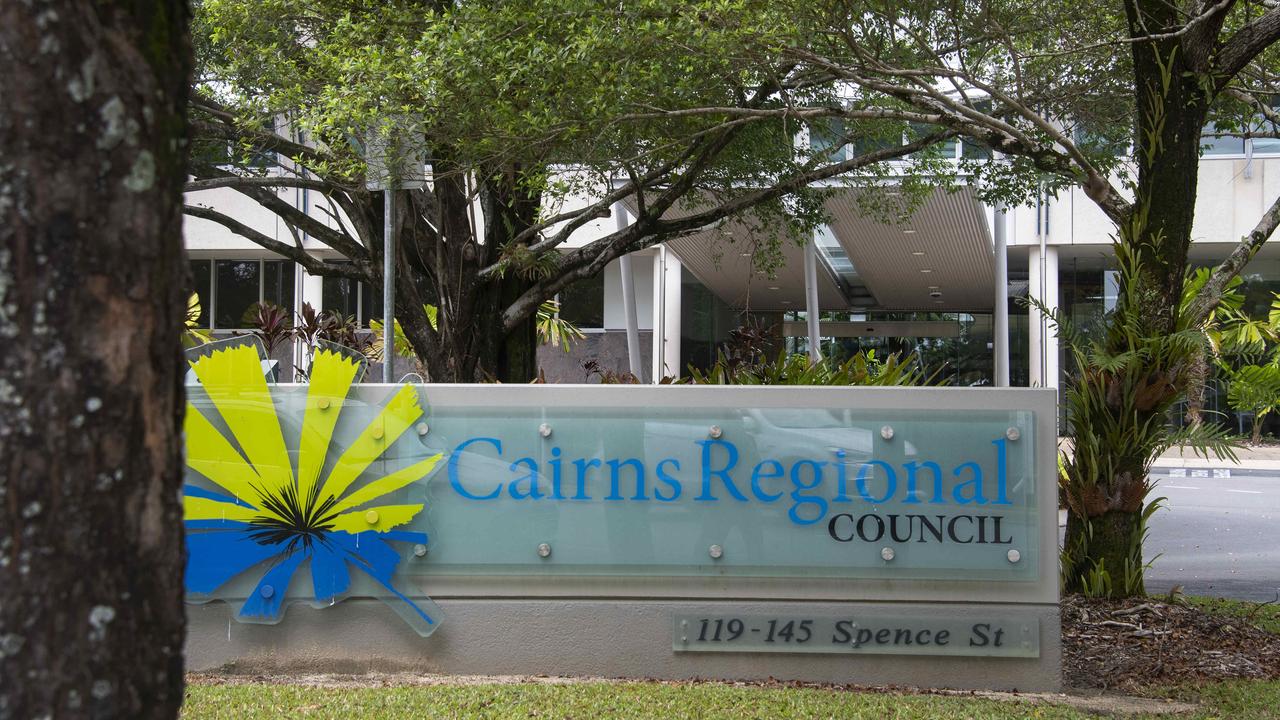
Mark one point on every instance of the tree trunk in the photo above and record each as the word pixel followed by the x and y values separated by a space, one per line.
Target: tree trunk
pixel 1197 382
pixel 1171 110
pixel 1099 559
pixel 92 161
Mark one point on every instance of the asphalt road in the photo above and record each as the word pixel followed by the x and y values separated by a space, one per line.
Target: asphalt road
pixel 1219 534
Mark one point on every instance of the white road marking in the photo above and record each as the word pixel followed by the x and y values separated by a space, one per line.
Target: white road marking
pixel 1181 487
pixel 1247 492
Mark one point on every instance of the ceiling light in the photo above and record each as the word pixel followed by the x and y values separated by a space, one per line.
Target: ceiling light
pixel 933 287
pixel 746 254
pixel 918 253
pixel 925 270
pixel 774 287
pixel 908 231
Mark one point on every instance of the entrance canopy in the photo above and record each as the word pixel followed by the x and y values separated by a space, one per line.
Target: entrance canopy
pixel 938 260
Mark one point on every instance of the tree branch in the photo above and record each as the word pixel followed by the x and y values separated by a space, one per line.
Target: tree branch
pixel 354 271
pixel 237 181
pixel 1246 44
pixel 592 258
pixel 1248 246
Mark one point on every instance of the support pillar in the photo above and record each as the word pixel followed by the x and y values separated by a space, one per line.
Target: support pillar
pixel 666 319
pixel 1000 333
pixel 1043 285
pixel 629 301
pixel 811 299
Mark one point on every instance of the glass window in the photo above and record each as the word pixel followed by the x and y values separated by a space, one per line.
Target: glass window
pixel 826 136
pixel 277 284
pixel 1266 146
pixel 582 303
pixel 341 295
pixel 239 284
pixel 1214 144
pixel 201 285
pixel 974 151
pixel 370 303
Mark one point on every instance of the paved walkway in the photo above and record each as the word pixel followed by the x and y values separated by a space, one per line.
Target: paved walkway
pixel 1249 458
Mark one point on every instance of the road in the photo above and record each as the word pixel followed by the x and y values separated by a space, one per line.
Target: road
pixel 1220 533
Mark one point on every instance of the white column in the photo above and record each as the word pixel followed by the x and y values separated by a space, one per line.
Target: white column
pixel 312 291
pixel 659 313
pixel 1043 285
pixel 811 298
pixel 670 325
pixel 629 301
pixel 1000 332
pixel 313 294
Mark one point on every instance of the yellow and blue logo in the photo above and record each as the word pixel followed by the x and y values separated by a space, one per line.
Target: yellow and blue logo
pixel 271 515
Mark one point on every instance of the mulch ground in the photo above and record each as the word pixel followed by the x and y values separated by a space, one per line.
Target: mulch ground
pixel 1126 645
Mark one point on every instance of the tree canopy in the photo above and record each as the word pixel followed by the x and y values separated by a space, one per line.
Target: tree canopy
pixel 542 115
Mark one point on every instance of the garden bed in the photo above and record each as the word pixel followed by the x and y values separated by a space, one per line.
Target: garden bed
pixel 1129 645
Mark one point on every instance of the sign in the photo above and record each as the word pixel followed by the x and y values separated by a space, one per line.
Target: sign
pixel 860 634
pixel 924 518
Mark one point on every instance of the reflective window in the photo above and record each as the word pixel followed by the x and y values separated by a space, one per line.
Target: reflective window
pixel 238 284
pixel 582 303
pixel 202 284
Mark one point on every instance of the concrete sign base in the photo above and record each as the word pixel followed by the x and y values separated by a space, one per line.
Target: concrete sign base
pixel 634 638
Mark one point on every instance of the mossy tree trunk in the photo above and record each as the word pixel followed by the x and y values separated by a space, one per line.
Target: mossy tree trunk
pixel 92 163
pixel 1125 418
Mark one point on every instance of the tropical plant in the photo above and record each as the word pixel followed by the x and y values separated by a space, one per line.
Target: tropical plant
pixel 1254 389
pixel 1220 332
pixel 316 327
pixel 863 368
pixel 554 330
pixel 192 333
pixel 271 324
pixel 1117 403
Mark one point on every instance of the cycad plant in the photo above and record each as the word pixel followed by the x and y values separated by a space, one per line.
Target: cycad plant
pixel 1117 405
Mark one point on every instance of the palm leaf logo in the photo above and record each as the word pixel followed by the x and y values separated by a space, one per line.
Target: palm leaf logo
pixel 268 513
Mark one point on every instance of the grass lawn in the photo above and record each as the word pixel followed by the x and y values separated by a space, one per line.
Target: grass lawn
pixel 1238 701
pixel 1266 617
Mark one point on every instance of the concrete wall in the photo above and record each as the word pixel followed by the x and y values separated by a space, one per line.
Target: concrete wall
pixel 608 348
pixel 624 638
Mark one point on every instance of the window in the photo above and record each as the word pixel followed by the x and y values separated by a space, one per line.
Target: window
pixel 228 288
pixel 1214 144
pixel 582 303
pixel 203 281
pixel 826 139
pixel 350 298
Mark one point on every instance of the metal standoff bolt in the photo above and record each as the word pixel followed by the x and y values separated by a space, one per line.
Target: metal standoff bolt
pixel 377 432
pixel 716 552
pixel 544 430
pixel 1014 556
pixel 323 404
pixel 886 432
pixel 267 591
pixel 887 553
pixel 423 429
pixel 715 432
pixel 544 550
pixel 1013 434
pixel 420 550
pixel 371 517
